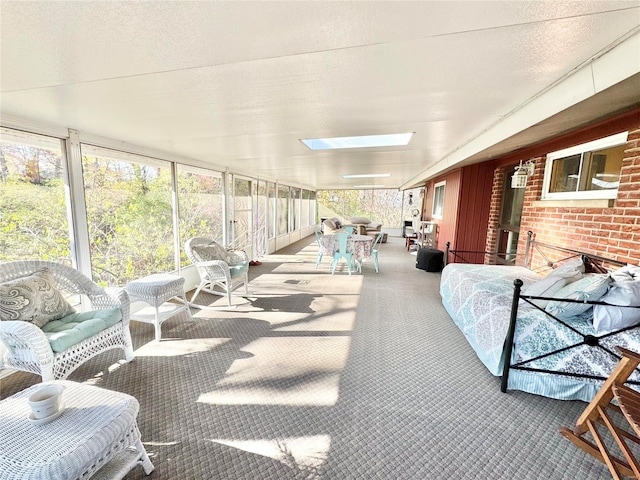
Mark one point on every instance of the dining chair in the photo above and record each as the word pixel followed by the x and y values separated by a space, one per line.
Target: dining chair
pixel 342 253
pixel 350 230
pixel 319 242
pixel 374 250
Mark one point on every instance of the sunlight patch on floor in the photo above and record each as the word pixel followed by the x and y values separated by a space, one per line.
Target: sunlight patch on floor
pixel 300 453
pixel 174 348
pixel 284 259
pixel 300 371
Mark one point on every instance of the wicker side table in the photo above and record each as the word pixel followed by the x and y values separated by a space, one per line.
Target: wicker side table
pixel 96 436
pixel 156 290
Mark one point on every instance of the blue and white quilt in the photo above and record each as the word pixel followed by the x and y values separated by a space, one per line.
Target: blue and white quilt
pixel 478 298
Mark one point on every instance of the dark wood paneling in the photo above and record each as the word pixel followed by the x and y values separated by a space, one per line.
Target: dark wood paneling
pixel 475 202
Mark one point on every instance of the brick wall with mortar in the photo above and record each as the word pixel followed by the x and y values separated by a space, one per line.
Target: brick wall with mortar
pixel 494 214
pixel 612 232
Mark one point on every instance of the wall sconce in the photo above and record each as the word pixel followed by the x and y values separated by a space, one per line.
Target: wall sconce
pixel 423 191
pixel 523 171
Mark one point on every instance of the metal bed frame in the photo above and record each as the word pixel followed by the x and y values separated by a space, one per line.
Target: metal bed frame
pixel 593 264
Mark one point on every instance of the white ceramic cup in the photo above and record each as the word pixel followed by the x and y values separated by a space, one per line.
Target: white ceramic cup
pixel 45 401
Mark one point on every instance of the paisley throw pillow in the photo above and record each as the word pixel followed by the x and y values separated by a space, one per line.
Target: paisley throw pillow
pixel 33 298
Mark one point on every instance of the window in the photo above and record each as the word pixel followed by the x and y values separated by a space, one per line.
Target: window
pixel 271 206
pixel 295 209
pixel 304 213
pixel 438 200
pixel 260 219
pixel 129 215
pixel 312 209
pixel 283 209
pixel 33 203
pixel 200 206
pixel 590 170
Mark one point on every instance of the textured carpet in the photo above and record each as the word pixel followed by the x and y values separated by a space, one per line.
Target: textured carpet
pixel 334 377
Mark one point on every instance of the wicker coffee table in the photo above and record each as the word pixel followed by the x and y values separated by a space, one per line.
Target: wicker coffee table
pixel 96 436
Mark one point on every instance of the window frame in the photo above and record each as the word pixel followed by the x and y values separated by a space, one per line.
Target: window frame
pixel 595 145
pixel 437 186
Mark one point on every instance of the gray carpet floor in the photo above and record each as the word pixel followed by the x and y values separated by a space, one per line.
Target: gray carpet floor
pixel 334 377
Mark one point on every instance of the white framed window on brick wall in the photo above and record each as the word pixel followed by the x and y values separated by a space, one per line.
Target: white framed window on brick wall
pixel 438 200
pixel 590 170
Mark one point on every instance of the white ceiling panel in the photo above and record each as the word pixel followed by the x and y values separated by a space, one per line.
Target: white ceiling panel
pixel 237 84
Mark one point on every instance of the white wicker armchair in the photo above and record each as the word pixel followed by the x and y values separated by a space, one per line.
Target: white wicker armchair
pixel 217 272
pixel 27 346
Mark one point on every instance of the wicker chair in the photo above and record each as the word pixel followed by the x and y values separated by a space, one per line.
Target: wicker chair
pixel 27 346
pixel 216 273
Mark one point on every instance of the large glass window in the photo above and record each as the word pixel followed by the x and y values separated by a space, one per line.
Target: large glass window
pixel 242 215
pixel 304 213
pixel 33 203
pixel 295 209
pixel 312 208
pixel 387 207
pixel 271 205
pixel 590 170
pixel 200 206
pixel 129 215
pixel 260 219
pixel 438 200
pixel 379 205
pixel 283 209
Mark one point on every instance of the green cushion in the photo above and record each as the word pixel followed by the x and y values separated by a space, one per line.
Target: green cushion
pixel 239 269
pixel 74 328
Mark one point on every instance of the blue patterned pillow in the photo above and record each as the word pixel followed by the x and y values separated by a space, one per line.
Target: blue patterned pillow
pixel 589 287
pixel 570 268
pixel 33 298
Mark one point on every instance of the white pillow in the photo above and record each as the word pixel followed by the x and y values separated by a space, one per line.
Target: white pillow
pixel 359 220
pixel 330 223
pixel 628 273
pixel 590 287
pixel 610 317
pixel 570 268
pixel 623 293
pixel 545 287
pixel 616 316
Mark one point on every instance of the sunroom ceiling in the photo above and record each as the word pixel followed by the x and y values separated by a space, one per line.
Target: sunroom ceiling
pixel 237 84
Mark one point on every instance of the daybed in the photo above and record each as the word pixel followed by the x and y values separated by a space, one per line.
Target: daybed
pixel 40 329
pixel 539 332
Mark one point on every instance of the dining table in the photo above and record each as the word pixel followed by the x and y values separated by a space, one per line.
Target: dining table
pixel 359 245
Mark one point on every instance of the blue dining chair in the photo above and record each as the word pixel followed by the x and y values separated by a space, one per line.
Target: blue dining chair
pixel 318 241
pixel 374 250
pixel 342 253
pixel 350 230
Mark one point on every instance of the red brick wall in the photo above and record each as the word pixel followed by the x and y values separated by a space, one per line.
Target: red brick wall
pixel 612 232
pixel 497 189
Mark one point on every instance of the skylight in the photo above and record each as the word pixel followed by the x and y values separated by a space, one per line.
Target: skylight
pixel 358 142
pixel 367 175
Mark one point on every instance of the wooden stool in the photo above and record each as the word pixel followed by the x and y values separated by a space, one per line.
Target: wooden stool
pixel 596 412
pixel 412 240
